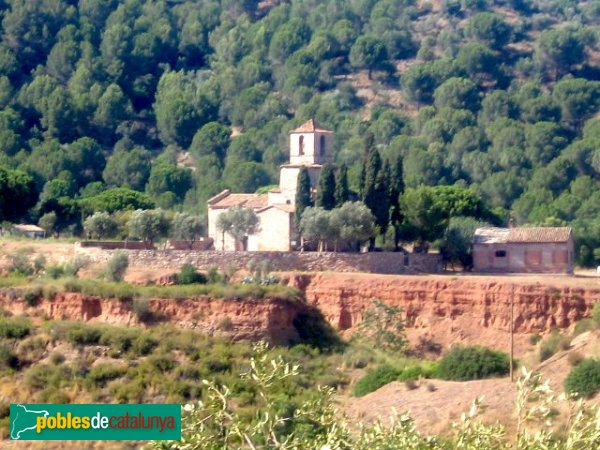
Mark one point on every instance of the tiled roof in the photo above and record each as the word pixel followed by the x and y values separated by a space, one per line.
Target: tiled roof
pixel 310 126
pixel 539 234
pixel 29 228
pixel 490 235
pixel 228 200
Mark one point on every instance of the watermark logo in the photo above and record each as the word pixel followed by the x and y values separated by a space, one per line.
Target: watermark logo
pixel 95 422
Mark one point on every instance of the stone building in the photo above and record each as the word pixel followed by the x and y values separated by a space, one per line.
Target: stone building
pixel 310 146
pixel 535 249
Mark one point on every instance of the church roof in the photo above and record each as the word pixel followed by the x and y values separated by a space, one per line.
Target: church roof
pixel 226 200
pixel 281 206
pixel 310 126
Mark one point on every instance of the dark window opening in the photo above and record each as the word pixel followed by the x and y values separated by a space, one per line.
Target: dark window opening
pixel 322 146
pixel 301 145
pixel 500 253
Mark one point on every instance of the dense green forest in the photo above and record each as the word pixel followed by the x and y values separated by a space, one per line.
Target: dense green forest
pixel 143 103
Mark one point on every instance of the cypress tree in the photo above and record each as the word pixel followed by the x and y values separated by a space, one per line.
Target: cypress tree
pixel 372 168
pixel 342 192
pixel 378 201
pixel 326 190
pixel 395 188
pixel 303 197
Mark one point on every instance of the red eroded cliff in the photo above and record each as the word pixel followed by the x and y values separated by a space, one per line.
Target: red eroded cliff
pixel 447 309
pixel 268 319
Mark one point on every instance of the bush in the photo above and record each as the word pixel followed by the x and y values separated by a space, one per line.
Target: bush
pixel 584 380
pixel 20 264
pixel 374 379
pixel 8 360
pixel 84 335
pixel 575 358
pixel 584 325
pixel 14 328
pixel 535 338
pixel 116 266
pixel 33 295
pixel 596 314
pixel 102 373
pixel 189 275
pixel 472 363
pixel 141 309
pixel 553 344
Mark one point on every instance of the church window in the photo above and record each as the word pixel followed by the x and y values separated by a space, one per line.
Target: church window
pixel 322 146
pixel 301 145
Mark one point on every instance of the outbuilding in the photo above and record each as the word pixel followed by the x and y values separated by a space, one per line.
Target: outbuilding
pixel 523 249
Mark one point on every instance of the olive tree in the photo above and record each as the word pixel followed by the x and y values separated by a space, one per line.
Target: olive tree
pixel 352 224
pixel 100 225
pixel 186 227
pixel 239 223
pixel 148 225
pixel 315 225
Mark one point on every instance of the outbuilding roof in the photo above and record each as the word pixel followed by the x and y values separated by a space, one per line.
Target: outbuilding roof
pixel 29 228
pixel 310 126
pixel 492 235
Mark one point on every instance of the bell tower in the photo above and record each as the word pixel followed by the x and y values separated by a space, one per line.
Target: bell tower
pixel 310 144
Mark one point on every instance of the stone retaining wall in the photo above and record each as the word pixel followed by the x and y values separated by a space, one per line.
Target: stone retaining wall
pixel 376 262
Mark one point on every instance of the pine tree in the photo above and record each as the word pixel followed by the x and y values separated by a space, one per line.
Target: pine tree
pixel 303 197
pixel 326 190
pixel 342 192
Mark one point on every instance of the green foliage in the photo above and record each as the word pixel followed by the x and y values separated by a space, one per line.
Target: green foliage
pixel 325 197
pixel 239 223
pixel 188 274
pixel 472 363
pixel 14 327
pixel 100 225
pixel 117 266
pixel 117 199
pixel 148 225
pixel 384 326
pixel 596 313
pixel 584 379
pixel 553 344
pixel 303 196
pixel 376 378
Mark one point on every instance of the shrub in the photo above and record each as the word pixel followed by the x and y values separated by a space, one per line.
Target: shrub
pixel 144 344
pixel 376 378
pixel 225 324
pixel 14 328
pixel 584 380
pixel 189 275
pixel 8 360
pixel 472 363
pixel 584 325
pixel 19 263
pixel 57 358
pixel 102 373
pixel 596 314
pixel 535 338
pixel 417 371
pixel 33 295
pixel 55 271
pixel 553 344
pixel 141 309
pixel 411 385
pixel 116 266
pixel 84 335
pixel 119 339
pixel 575 358
pixel 39 263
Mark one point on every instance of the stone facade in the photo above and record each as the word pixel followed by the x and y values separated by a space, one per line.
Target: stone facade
pixel 524 250
pixel 375 262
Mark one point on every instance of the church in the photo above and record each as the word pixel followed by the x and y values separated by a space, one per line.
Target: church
pixel 310 147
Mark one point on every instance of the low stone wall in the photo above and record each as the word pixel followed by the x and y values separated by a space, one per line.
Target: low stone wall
pixel 376 262
pixel 114 245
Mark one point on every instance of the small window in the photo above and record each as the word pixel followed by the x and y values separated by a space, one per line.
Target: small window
pixel 322 146
pixel 301 145
pixel 500 253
